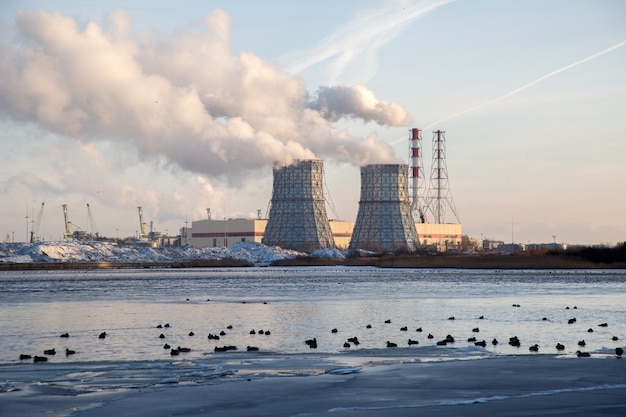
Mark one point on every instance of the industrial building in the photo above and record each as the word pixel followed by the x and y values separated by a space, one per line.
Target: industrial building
pixel 384 222
pixel 297 218
pixel 225 233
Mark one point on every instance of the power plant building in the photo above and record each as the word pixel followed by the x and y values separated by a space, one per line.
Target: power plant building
pixel 384 222
pixel 225 233
pixel 297 218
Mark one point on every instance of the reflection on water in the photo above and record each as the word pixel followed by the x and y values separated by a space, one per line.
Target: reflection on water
pixel 295 304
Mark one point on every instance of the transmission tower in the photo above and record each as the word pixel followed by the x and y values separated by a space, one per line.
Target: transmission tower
pixel 417 192
pixel 440 196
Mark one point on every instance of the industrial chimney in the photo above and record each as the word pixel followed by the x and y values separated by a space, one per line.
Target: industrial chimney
pixel 297 218
pixel 384 222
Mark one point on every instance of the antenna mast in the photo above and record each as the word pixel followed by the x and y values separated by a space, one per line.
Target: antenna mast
pixel 440 195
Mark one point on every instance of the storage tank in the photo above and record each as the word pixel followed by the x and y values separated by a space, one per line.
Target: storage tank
pixel 384 222
pixel 297 218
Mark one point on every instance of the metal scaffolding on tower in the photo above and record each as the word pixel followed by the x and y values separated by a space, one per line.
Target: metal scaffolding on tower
pixel 440 198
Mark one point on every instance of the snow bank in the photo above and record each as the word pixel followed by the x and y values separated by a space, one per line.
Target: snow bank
pixel 88 251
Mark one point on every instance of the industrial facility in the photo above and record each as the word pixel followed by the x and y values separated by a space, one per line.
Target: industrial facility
pixel 394 214
pixel 384 222
pixel 397 212
pixel 297 218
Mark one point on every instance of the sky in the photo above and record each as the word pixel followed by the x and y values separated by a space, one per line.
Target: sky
pixel 180 108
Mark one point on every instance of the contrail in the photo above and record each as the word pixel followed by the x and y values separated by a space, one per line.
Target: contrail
pixel 530 84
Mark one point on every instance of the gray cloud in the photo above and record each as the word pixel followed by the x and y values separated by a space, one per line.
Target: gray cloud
pixel 357 101
pixel 187 98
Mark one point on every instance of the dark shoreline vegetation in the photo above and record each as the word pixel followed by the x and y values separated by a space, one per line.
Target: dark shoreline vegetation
pixel 578 258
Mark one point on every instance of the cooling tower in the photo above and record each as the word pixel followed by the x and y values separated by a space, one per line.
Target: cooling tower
pixel 384 222
pixel 297 218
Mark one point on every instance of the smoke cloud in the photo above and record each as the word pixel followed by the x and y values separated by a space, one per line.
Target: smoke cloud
pixel 358 102
pixel 186 98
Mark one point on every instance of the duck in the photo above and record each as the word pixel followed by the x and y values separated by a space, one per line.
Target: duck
pixel 514 341
pixel 161 336
pixel 252 331
pixel 40 359
pixel 481 343
pixel 369 326
pixel 560 346
pixel 590 330
pixel 413 342
pixel 25 356
pixel 388 321
pixel 346 345
pixel 354 340
pixel 312 343
pixel 476 330
pixel 404 329
pixel 571 321
pixel 102 335
pixel 69 352
pixel 267 333
pixel 191 333
pixel 50 352
pixel 391 344
pixel 471 339
pixel 334 330
pixel 582 354
pixel 419 330
pixel 603 325
pixel 252 348
pixel 183 349
pixel 166 346
pixel 65 335
pixel 534 348
pixel 224 348
pixel 494 341
pixel 615 338
pixel 430 336
pixel 619 351
pixel 582 342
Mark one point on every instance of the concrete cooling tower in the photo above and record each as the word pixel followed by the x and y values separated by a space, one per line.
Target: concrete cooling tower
pixel 384 222
pixel 297 218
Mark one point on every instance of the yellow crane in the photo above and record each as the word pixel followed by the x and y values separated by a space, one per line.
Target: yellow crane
pixel 34 234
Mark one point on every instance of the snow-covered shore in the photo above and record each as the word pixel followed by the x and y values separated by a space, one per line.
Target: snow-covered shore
pixel 92 251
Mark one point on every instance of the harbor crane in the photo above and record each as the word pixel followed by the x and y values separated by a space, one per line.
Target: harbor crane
pixel 79 233
pixel 34 233
pixel 144 233
pixel 92 222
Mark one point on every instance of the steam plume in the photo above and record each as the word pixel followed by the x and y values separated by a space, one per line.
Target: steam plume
pixel 358 102
pixel 187 98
